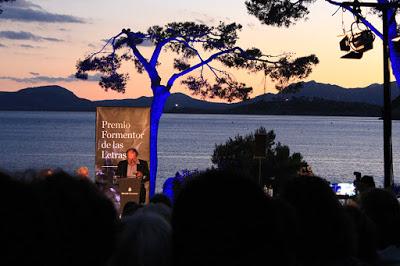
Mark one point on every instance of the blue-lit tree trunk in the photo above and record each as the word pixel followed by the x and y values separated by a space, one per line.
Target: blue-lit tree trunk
pixel 160 96
pixel 393 51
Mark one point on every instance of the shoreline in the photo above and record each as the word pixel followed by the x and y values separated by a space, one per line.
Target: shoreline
pixel 203 113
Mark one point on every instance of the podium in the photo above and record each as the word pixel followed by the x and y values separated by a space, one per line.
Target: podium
pixel 129 189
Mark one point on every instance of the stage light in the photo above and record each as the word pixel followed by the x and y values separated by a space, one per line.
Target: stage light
pixel 357 42
pixel 363 41
pixel 345 44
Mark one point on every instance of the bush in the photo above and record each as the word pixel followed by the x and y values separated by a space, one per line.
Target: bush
pixel 237 154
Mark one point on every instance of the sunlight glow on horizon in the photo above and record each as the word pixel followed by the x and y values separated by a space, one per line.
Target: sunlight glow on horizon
pixel 319 35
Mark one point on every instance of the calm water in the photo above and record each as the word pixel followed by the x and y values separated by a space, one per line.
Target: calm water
pixel 334 146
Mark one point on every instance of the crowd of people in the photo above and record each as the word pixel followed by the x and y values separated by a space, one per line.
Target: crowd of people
pixel 218 218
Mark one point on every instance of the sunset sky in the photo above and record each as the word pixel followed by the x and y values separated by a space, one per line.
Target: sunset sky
pixel 41 40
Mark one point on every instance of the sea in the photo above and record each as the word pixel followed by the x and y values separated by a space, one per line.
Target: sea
pixel 335 147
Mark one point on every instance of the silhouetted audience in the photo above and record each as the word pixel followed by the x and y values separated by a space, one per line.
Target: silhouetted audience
pixel 158 208
pixel 130 208
pixel 79 222
pixel 161 198
pixel 145 240
pixel 366 236
pixel 220 218
pixel 326 233
pixel 21 228
pixel 364 184
pixel 383 208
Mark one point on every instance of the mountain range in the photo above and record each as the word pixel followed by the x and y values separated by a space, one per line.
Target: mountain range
pixel 311 98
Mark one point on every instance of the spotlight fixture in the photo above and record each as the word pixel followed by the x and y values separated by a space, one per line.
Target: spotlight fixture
pixel 345 44
pixel 363 41
pixel 357 43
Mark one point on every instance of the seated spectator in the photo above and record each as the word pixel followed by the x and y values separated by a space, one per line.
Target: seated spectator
pixel 383 209
pixel 82 172
pixel 161 198
pixel 130 209
pixel 366 236
pixel 158 208
pixel 79 222
pixel 145 240
pixel 326 233
pixel 365 184
pixel 21 227
pixel 220 218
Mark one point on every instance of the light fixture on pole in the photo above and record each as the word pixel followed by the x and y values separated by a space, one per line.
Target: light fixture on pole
pixel 363 42
pixel 356 43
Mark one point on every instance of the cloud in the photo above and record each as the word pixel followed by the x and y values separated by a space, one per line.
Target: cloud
pixel 23 4
pixel 203 18
pixel 24 35
pixel 37 78
pixel 2 45
pixel 28 46
pixel 25 11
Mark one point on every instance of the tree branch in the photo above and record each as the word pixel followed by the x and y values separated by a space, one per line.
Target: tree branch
pixel 199 56
pixel 152 72
pixel 111 40
pixel 160 45
pixel 175 76
pixel 157 51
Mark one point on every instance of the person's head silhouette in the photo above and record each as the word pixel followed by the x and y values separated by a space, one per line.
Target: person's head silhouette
pixel 220 218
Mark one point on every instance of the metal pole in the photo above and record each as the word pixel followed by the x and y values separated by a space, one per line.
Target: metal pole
pixel 259 171
pixel 387 100
pixel 387 106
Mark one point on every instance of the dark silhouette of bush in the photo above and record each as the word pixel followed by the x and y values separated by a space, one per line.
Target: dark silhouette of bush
pixel 237 154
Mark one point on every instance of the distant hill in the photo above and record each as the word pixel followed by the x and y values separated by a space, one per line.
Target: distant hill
pixel 309 106
pixel 56 98
pixel 176 100
pixel 372 94
pixel 48 98
pixel 312 99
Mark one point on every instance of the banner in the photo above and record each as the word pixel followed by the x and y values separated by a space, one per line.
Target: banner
pixel 117 130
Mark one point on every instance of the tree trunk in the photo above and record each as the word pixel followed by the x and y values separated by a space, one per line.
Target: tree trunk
pixel 160 96
pixel 394 48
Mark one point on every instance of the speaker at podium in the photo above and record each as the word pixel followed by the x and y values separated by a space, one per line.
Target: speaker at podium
pixel 129 189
